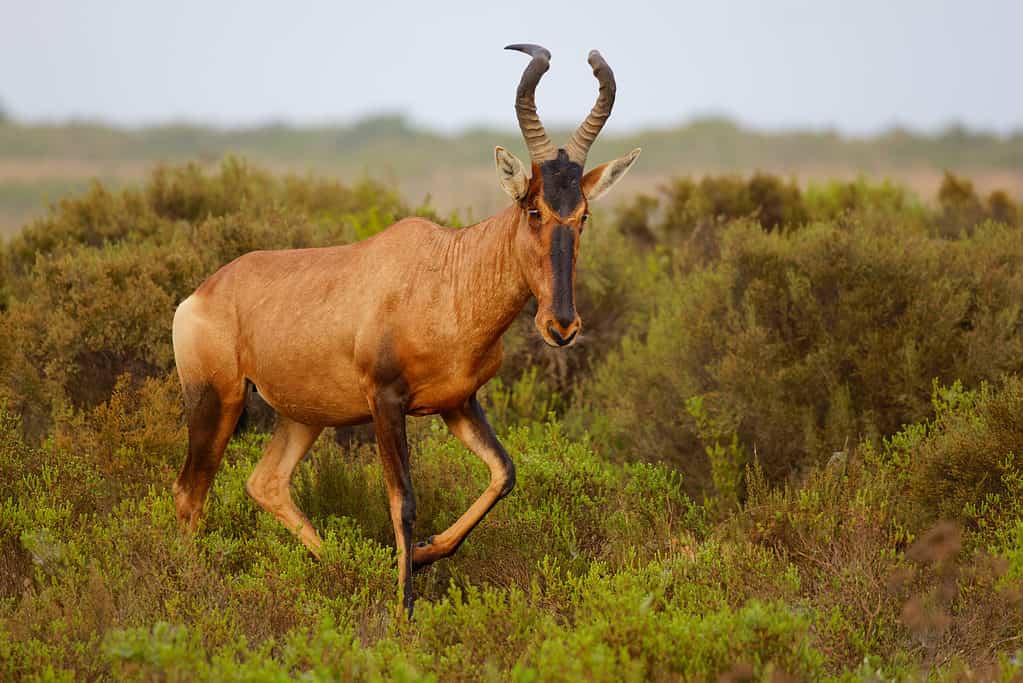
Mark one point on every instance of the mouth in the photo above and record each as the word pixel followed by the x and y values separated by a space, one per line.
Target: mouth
pixel 556 340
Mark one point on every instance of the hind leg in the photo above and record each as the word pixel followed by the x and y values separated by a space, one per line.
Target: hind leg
pixel 212 416
pixel 214 392
pixel 269 483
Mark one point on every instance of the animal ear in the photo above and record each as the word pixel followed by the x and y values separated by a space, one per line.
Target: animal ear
pixel 597 182
pixel 511 173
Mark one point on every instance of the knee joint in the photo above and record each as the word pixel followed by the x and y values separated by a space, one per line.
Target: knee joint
pixel 259 490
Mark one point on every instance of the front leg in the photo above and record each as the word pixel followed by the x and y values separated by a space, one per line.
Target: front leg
pixel 469 425
pixel 388 407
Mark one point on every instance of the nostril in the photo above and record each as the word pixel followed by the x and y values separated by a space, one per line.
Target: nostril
pixel 558 339
pixel 556 336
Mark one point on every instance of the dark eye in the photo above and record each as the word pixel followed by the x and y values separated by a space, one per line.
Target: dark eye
pixel 586 217
pixel 534 213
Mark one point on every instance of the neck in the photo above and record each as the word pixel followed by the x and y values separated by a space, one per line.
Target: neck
pixel 490 289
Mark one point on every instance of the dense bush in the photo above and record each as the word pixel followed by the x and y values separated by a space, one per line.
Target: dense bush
pixel 787 446
pixel 961 210
pixel 803 343
pixel 964 463
pixel 175 195
pixel 692 212
pixel 954 592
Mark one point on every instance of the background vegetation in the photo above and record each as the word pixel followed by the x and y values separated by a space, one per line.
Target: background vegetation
pixel 40 163
pixel 787 447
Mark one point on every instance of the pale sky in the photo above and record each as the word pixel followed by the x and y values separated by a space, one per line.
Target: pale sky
pixel 858 66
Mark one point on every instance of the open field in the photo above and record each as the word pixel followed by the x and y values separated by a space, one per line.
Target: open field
pixel 39 164
pixel 786 447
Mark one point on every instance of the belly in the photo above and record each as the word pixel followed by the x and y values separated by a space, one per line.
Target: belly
pixel 327 405
pixel 324 381
pixel 335 403
pixel 309 386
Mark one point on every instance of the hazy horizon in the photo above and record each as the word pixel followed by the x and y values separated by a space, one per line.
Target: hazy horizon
pixel 508 127
pixel 856 70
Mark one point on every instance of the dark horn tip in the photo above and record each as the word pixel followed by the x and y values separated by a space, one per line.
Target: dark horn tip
pixel 530 49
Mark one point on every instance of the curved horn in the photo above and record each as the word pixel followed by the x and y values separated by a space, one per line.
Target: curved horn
pixel 539 145
pixel 588 130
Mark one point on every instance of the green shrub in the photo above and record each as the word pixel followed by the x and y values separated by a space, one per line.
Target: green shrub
pixel 692 213
pixel 963 465
pixel 690 206
pixel 961 210
pixel 78 331
pixel 864 201
pixel 807 341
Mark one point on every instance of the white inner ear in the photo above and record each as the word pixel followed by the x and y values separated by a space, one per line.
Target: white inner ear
pixel 511 173
pixel 613 172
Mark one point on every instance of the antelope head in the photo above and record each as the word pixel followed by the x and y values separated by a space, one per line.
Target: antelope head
pixel 554 197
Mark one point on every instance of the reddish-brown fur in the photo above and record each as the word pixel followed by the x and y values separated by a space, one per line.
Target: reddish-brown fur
pixel 408 322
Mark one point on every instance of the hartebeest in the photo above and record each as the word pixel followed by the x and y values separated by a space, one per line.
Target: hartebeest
pixel 407 322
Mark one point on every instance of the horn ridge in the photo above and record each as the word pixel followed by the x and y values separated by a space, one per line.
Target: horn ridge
pixel 537 141
pixel 579 144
